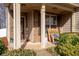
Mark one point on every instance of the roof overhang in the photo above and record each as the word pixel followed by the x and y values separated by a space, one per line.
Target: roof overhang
pixel 74 4
pixel 61 7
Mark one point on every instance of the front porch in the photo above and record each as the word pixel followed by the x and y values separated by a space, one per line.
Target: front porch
pixel 33 46
pixel 28 24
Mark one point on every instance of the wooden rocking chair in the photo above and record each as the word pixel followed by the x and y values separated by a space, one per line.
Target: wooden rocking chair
pixel 51 33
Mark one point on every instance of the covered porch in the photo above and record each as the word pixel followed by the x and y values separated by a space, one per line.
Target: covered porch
pixel 28 24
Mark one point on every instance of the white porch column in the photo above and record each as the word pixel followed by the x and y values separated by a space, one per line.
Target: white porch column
pixel 43 39
pixel 17 30
pixel 8 24
pixel 73 22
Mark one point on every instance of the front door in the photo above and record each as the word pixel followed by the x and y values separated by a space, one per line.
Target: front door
pixel 24 28
pixel 50 22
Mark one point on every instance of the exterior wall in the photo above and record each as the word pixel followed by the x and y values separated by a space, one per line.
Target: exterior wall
pixel 66 23
pixel 77 20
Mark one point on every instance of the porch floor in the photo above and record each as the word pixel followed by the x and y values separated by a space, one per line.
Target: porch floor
pixel 34 46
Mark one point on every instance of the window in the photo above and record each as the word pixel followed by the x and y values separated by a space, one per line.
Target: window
pixel 2 17
pixel 50 21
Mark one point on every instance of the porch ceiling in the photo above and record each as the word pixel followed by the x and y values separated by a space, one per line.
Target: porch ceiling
pixel 27 7
pixel 53 8
pixel 58 8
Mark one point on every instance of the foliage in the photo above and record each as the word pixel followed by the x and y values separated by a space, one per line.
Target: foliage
pixel 56 39
pixel 19 52
pixel 52 51
pixel 68 44
pixel 2 47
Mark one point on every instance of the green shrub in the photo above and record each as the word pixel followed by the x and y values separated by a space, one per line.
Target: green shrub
pixel 52 51
pixel 2 47
pixel 56 39
pixel 68 44
pixel 20 52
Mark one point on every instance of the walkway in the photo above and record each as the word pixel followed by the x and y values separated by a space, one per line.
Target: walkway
pixel 37 48
pixel 42 52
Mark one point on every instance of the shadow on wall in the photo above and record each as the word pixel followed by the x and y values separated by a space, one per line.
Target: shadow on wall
pixel 65 22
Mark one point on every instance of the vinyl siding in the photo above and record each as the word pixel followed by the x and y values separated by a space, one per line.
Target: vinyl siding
pixel 77 20
pixel 66 22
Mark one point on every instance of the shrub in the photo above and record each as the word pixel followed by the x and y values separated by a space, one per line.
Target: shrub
pixel 2 47
pixel 68 44
pixel 19 52
pixel 56 39
pixel 52 51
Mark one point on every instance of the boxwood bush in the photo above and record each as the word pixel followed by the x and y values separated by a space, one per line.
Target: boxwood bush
pixel 19 52
pixel 68 44
pixel 2 47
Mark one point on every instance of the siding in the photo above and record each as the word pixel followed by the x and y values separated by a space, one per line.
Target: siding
pixel 77 20
pixel 66 22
